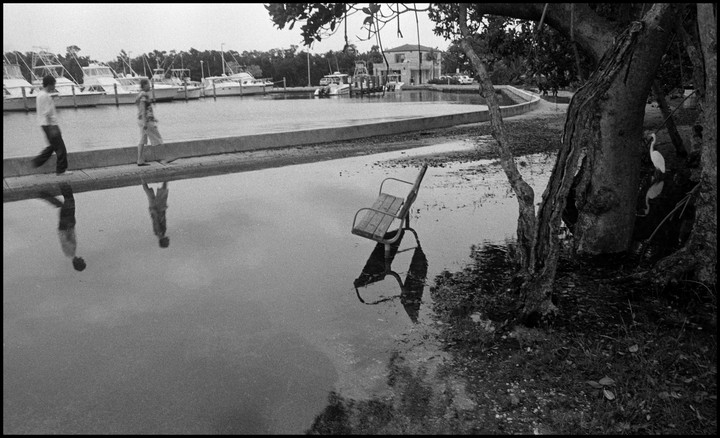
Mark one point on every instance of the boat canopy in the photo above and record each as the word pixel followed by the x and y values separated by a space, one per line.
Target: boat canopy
pixel 12 71
pixel 98 70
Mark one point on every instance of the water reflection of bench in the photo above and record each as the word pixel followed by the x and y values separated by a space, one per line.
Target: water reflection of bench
pixel 374 222
pixel 378 266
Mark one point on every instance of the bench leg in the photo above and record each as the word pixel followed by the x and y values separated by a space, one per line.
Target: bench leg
pixel 387 257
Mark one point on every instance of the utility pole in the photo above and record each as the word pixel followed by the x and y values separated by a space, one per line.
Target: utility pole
pixel 308 62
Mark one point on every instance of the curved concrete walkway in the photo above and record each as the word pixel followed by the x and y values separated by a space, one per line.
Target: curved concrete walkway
pixel 116 167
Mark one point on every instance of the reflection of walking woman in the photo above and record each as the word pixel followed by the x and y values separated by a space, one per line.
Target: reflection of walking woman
pixel 146 121
pixel 158 206
pixel 66 227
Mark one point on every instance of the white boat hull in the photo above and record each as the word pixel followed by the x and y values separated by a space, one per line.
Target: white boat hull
pixel 333 90
pixel 18 104
pixel 122 99
pixel 192 93
pixel 77 101
pixel 164 94
pixel 235 90
pixel 161 95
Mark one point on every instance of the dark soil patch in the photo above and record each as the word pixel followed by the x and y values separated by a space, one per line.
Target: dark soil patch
pixel 615 360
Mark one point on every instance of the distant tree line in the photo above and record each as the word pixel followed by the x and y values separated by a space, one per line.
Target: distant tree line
pixel 277 64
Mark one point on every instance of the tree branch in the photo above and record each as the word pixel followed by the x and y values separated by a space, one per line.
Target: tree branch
pixel 592 32
pixel 525 194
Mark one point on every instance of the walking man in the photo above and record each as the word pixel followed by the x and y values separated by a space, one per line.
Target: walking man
pixel 146 121
pixel 47 118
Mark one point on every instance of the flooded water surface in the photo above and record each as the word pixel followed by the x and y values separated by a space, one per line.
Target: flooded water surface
pixel 249 318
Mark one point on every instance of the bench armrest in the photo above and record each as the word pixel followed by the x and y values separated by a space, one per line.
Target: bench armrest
pixel 395 179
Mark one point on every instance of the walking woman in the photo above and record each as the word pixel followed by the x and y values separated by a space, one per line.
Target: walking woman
pixel 146 121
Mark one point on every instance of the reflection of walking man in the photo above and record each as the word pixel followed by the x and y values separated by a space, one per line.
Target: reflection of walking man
pixel 146 121
pixel 66 227
pixel 158 206
pixel 47 117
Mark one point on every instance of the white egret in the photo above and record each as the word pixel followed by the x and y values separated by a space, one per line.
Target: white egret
pixel 655 156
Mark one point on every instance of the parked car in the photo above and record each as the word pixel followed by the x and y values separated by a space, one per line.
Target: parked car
pixel 444 80
pixel 464 79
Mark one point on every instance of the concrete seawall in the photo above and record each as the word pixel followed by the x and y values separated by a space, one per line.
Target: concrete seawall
pixel 20 166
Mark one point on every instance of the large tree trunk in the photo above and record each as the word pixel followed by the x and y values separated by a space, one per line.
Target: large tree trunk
pixel 599 159
pixel 602 148
pixel 607 195
pixel 603 132
pixel 582 135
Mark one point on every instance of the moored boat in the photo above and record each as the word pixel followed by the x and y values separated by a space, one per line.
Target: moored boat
pixel 19 94
pixel 187 89
pixel 335 84
pixel 236 82
pixel 239 84
pixel 17 91
pixel 364 83
pixel 68 94
pixel 394 83
pixel 101 78
pixel 160 91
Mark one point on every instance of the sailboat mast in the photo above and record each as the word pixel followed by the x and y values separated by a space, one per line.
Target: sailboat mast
pixel 222 55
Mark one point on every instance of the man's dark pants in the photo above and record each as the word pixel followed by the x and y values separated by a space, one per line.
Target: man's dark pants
pixel 57 145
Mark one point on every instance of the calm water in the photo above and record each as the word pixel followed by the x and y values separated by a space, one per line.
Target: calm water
pixel 108 126
pixel 249 318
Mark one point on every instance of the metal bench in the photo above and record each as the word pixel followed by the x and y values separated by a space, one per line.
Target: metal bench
pixel 374 222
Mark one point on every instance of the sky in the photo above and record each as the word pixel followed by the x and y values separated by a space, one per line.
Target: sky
pixel 101 30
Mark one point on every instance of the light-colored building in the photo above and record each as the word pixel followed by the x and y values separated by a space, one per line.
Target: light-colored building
pixel 413 67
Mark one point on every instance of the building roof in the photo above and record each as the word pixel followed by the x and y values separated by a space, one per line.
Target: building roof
pixel 411 48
